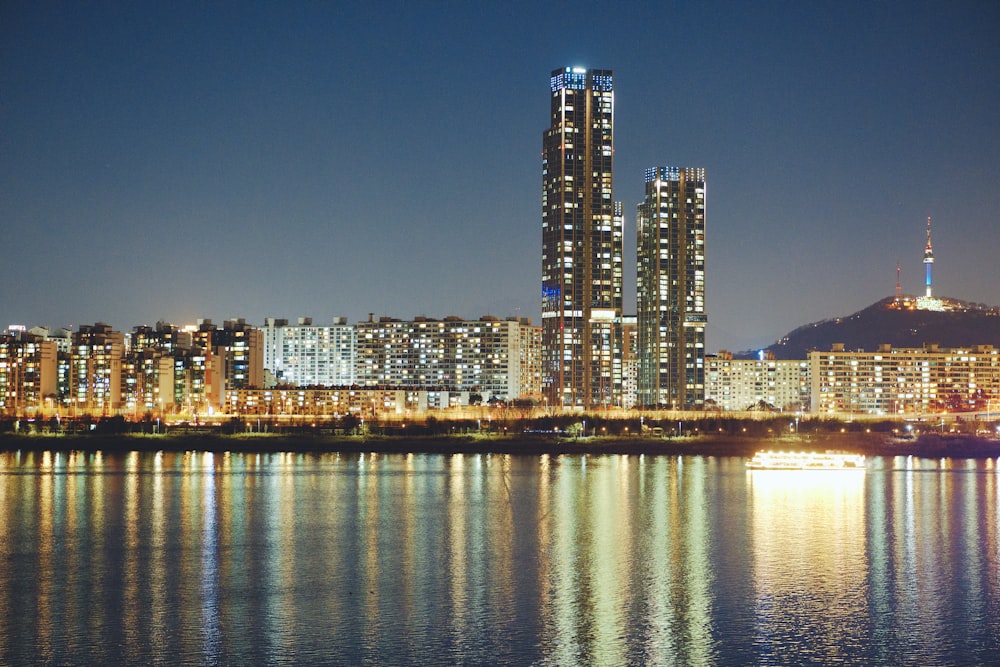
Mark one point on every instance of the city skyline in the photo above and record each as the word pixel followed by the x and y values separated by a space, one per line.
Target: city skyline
pixel 254 161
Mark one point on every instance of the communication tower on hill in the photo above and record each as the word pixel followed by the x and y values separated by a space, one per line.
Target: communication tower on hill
pixel 928 259
pixel 899 286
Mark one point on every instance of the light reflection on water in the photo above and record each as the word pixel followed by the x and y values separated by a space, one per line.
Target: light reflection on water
pixel 373 559
pixel 809 563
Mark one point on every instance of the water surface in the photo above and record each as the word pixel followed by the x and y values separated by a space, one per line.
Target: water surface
pixel 476 559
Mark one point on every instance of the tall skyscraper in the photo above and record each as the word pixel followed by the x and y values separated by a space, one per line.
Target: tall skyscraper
pixel 581 244
pixel 671 314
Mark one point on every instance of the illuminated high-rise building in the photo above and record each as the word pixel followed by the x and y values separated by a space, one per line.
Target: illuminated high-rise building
pixel 581 244
pixel 671 315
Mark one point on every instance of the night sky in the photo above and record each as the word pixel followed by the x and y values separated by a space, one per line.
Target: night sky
pixel 174 161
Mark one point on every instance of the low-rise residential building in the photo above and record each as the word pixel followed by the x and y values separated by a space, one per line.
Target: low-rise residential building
pixel 96 369
pixel 148 381
pixel 752 384
pixel 240 346
pixel 28 373
pixel 530 349
pixel 310 355
pixel 480 356
pixel 904 381
pixel 202 369
pixel 154 369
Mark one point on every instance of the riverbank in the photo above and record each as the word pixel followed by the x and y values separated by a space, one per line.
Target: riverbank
pixel 926 446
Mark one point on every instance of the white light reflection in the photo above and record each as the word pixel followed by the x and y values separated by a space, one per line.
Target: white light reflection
pixel 808 535
pixel 211 624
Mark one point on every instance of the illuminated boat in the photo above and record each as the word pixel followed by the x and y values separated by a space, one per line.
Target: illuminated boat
pixel 768 460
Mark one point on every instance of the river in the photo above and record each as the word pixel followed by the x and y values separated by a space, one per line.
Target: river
pixel 201 558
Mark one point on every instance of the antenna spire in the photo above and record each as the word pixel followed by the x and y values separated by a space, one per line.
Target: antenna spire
pixel 928 259
pixel 899 286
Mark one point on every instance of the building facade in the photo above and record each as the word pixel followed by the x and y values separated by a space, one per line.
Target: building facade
pixel 754 384
pixel 630 366
pixel 201 370
pixel 581 244
pixel 481 356
pixel 28 373
pixel 96 369
pixel 530 350
pixel 153 368
pixel 905 381
pixel 671 315
pixel 310 355
pixel 240 348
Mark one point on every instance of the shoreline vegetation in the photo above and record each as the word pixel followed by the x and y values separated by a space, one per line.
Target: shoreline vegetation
pixel 927 445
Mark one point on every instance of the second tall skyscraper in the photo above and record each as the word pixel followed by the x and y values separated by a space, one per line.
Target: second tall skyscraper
pixel 671 315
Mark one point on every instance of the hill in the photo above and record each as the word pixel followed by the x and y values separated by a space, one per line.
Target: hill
pixel 962 324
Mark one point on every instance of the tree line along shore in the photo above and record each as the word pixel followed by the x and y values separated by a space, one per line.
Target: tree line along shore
pixel 591 436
